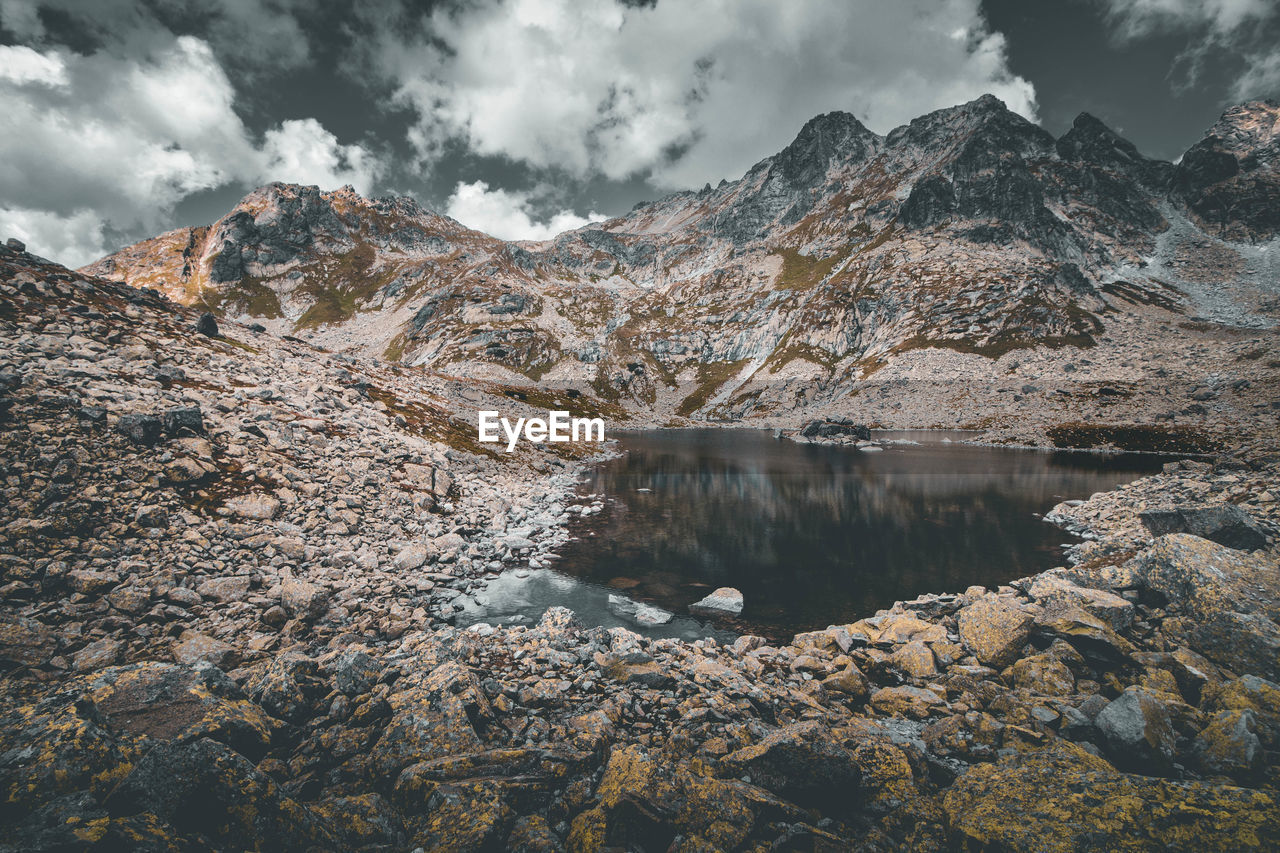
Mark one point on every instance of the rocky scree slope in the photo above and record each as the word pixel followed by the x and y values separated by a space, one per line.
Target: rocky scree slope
pixel 227 564
pixel 968 231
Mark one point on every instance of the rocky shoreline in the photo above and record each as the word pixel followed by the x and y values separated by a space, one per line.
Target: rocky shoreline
pixel 229 562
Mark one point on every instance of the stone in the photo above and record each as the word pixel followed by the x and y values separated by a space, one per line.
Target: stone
pixel 973 736
pixel 207 325
pixel 1049 589
pixel 302 599
pixel 205 786
pixel 725 600
pixel 194 647
pixel 88 582
pixel 431 718
pixel 1226 524
pixel 25 641
pixel 1231 599
pixel 915 659
pixel 800 761
pixel 1229 745
pixel 906 701
pixel 413 556
pixel 1061 799
pixel 850 682
pixel 151 516
pixel 355 672
pixel 1138 729
pixel 290 687
pixel 97 655
pixel 642 674
pixel 183 421
pixel 144 430
pixel 994 630
pixel 235 588
pixel 256 507
pixel 1043 674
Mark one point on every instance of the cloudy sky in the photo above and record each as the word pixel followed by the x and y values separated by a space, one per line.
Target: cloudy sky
pixel 120 119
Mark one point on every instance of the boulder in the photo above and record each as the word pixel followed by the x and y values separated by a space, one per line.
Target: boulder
pixel 303 600
pixel 355 672
pixel 413 556
pixel 1229 745
pixel 256 507
pixel 994 630
pixel 725 600
pixel 914 702
pixel 1229 601
pixel 291 687
pixel 1226 524
pixel 1061 799
pixel 830 428
pixel 973 736
pixel 1138 729
pixel 801 761
pixel 183 421
pixel 204 788
pixel 25 642
pixel 432 718
pixel 207 325
pixel 235 588
pixel 144 430
pixel 98 655
pixel 1043 675
pixel 194 648
pixel 1049 589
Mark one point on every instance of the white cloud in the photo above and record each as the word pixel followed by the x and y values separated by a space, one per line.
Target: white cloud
pixel 74 240
pixel 694 90
pixel 1239 28
pixel 302 151
pixel 1137 18
pixel 20 64
pixel 125 140
pixel 1261 77
pixel 508 215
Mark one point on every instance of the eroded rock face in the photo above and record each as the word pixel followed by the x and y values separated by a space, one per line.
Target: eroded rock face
pixel 1064 799
pixel 1229 600
pixel 1230 180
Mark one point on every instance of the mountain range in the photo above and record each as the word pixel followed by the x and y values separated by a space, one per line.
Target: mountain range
pixel 969 231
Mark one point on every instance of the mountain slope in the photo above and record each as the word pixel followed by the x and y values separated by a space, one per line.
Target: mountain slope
pixel 969 230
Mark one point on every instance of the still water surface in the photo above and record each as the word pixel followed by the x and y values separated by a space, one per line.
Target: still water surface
pixel 812 535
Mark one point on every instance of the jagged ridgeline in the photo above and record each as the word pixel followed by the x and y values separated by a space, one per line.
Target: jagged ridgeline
pixel 969 229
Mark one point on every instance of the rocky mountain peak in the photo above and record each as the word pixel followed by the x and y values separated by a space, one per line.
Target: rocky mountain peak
pixel 1091 141
pixel 1230 179
pixel 824 139
pixel 985 122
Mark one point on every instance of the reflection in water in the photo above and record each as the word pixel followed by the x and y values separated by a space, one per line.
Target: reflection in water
pixel 816 535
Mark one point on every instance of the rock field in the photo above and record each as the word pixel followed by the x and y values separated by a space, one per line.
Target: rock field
pixel 228 563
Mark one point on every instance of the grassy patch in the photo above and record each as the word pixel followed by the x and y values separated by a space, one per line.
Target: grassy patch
pixel 338 291
pixel 801 272
pixel 395 350
pixel 1134 437
pixel 430 422
pixel 996 347
pixel 251 295
pixel 711 376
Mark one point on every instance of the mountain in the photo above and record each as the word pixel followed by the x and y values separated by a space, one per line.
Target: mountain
pixel 969 231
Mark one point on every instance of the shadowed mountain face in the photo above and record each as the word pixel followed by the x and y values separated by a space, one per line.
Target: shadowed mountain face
pixel 969 229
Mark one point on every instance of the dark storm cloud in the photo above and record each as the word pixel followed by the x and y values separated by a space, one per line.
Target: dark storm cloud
pixel 525 116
